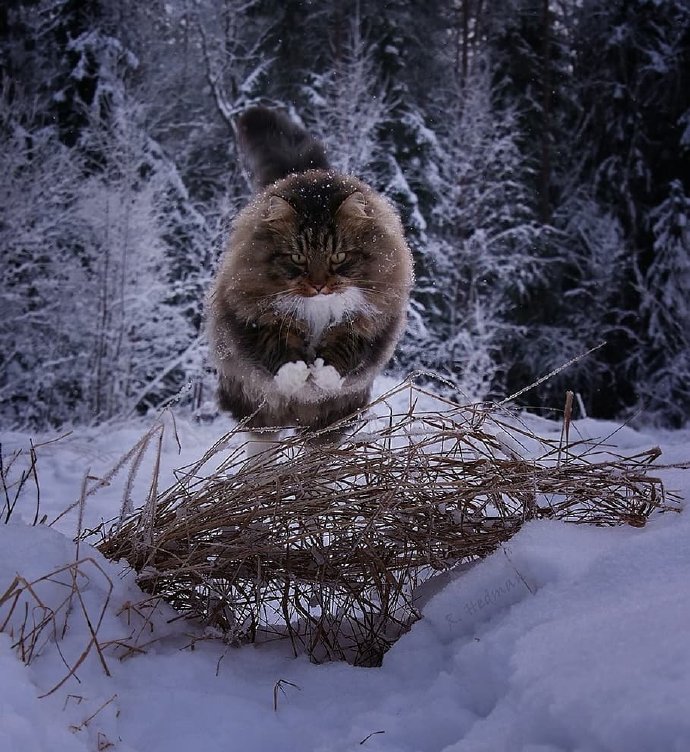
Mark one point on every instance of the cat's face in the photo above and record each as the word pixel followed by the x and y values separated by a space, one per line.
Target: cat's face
pixel 317 256
pixel 318 248
pixel 317 262
pixel 318 266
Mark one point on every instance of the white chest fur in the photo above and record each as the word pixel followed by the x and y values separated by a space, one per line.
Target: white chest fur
pixel 321 311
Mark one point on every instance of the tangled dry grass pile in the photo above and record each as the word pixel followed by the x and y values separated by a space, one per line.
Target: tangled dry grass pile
pixel 326 545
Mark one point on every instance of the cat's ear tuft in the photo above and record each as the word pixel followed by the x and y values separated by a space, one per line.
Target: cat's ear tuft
pixel 277 209
pixel 354 207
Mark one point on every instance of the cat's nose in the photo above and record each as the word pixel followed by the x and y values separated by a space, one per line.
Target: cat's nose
pixel 323 289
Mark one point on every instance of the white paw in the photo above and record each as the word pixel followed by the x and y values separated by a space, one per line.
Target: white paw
pixel 291 378
pixel 325 377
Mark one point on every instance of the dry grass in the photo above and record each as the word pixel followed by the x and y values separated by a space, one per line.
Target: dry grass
pixel 325 545
pixel 32 624
pixel 14 488
pixel 37 613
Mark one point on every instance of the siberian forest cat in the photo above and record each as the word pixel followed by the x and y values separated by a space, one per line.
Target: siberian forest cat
pixel 310 297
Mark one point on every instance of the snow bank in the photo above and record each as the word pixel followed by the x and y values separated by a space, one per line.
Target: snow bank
pixel 568 638
pixel 27 723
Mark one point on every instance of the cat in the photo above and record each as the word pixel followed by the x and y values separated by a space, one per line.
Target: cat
pixel 311 293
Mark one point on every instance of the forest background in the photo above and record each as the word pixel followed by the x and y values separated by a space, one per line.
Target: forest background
pixel 539 152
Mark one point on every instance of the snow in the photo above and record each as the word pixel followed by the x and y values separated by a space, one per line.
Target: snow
pixel 308 382
pixel 568 638
pixel 326 377
pixel 26 722
pixel 291 378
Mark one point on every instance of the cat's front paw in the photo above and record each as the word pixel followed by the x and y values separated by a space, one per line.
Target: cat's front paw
pixel 291 378
pixel 325 377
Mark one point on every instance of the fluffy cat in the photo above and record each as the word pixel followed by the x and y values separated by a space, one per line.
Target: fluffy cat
pixel 310 297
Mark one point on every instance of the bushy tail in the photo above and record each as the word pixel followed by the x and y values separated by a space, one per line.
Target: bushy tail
pixel 272 146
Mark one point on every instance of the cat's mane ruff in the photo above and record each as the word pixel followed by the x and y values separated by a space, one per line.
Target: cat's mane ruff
pixel 321 311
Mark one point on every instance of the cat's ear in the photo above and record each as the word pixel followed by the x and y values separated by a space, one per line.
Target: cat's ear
pixel 277 209
pixel 354 207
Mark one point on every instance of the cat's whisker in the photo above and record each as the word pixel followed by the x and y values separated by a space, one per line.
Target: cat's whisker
pixel 279 294
pixel 287 309
pixel 288 315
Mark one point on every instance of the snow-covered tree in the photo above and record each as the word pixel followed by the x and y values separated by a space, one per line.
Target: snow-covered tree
pixel 349 104
pixel 577 305
pixel 140 334
pixel 480 260
pixel 537 150
pixel 42 266
pixel 107 258
pixel 631 63
pixel 663 365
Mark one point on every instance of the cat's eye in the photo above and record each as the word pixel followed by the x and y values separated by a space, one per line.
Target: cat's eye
pixel 298 258
pixel 338 258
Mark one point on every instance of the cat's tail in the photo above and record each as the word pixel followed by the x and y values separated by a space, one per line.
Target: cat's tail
pixel 272 146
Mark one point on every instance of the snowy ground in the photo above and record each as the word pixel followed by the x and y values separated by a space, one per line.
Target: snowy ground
pixel 573 638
